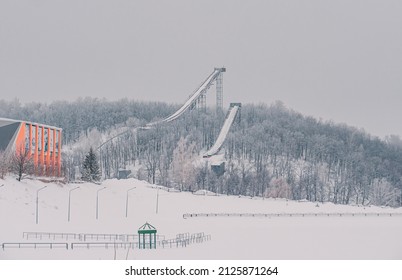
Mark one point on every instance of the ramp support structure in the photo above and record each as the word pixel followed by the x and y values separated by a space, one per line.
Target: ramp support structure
pixel 219 90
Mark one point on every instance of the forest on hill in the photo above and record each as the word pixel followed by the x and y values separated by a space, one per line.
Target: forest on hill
pixel 271 151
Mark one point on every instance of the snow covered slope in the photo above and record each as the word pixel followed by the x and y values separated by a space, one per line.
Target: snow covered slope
pixel 237 237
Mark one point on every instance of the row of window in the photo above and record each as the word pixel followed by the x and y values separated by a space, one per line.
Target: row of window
pixel 36 134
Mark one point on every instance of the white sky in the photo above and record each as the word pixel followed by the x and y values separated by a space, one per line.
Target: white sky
pixel 338 60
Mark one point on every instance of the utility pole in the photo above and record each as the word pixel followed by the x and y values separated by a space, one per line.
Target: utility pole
pixel 157 200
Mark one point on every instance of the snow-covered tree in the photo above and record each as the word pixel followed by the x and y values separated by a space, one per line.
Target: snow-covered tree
pixel 183 168
pixel 90 167
pixel 278 188
pixel 384 193
pixel 4 164
pixel 319 161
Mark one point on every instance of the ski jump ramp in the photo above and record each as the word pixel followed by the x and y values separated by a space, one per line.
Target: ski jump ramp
pixel 202 89
pixel 193 98
pixel 230 117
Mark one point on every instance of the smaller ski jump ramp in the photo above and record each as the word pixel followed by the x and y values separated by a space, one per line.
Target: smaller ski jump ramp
pixel 230 117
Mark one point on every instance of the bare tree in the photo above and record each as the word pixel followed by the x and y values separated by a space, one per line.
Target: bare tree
pixel 278 188
pixel 22 163
pixel 4 164
pixel 152 160
pixel 384 193
pixel 183 168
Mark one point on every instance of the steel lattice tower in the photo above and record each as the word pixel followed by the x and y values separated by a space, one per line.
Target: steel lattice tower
pixel 219 92
pixel 203 102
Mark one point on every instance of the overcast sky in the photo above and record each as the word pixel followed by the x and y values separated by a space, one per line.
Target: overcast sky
pixel 336 60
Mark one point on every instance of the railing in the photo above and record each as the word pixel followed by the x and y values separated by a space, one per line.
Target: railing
pixel 181 240
pixel 85 236
pixel 49 235
pixel 184 239
pixel 109 237
pixel 271 215
pixel 114 237
pixel 105 245
pixel 35 245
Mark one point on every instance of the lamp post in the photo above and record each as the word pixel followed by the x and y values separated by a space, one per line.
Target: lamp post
pixel 37 203
pixel 101 163
pixel 127 200
pixel 157 200
pixel 97 200
pixel 69 201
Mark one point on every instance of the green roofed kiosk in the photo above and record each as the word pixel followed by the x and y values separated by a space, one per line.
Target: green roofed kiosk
pixel 147 236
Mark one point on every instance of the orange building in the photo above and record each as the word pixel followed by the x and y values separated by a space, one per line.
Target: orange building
pixel 41 142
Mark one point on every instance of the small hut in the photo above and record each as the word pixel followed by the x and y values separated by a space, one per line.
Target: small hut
pixel 123 174
pixel 147 236
pixel 218 168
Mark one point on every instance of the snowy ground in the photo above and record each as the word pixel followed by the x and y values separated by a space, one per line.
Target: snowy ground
pixel 358 237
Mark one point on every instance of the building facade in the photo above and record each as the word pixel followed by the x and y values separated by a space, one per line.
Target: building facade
pixel 42 143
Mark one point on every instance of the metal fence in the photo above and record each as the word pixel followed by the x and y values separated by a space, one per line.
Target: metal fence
pixel 35 245
pixel 106 241
pixel 184 239
pixel 84 236
pixel 271 215
pixel 104 245
pixel 181 240
pixel 50 235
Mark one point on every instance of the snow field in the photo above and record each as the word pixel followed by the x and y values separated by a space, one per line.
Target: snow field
pixel 232 237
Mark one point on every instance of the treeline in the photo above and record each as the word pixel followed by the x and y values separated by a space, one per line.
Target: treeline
pixel 271 152
pixel 84 114
pixel 308 159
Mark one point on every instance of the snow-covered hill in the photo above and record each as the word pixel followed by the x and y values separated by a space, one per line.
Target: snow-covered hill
pixel 309 237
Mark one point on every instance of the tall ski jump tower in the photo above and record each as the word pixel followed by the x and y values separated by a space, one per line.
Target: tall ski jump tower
pixel 219 89
pixel 200 101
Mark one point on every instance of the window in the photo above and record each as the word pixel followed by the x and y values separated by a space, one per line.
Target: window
pixel 26 137
pixel 51 140
pixel 46 139
pixel 57 140
pixel 40 138
pixel 33 141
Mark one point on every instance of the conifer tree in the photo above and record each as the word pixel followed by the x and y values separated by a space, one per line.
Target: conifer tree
pixel 90 167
